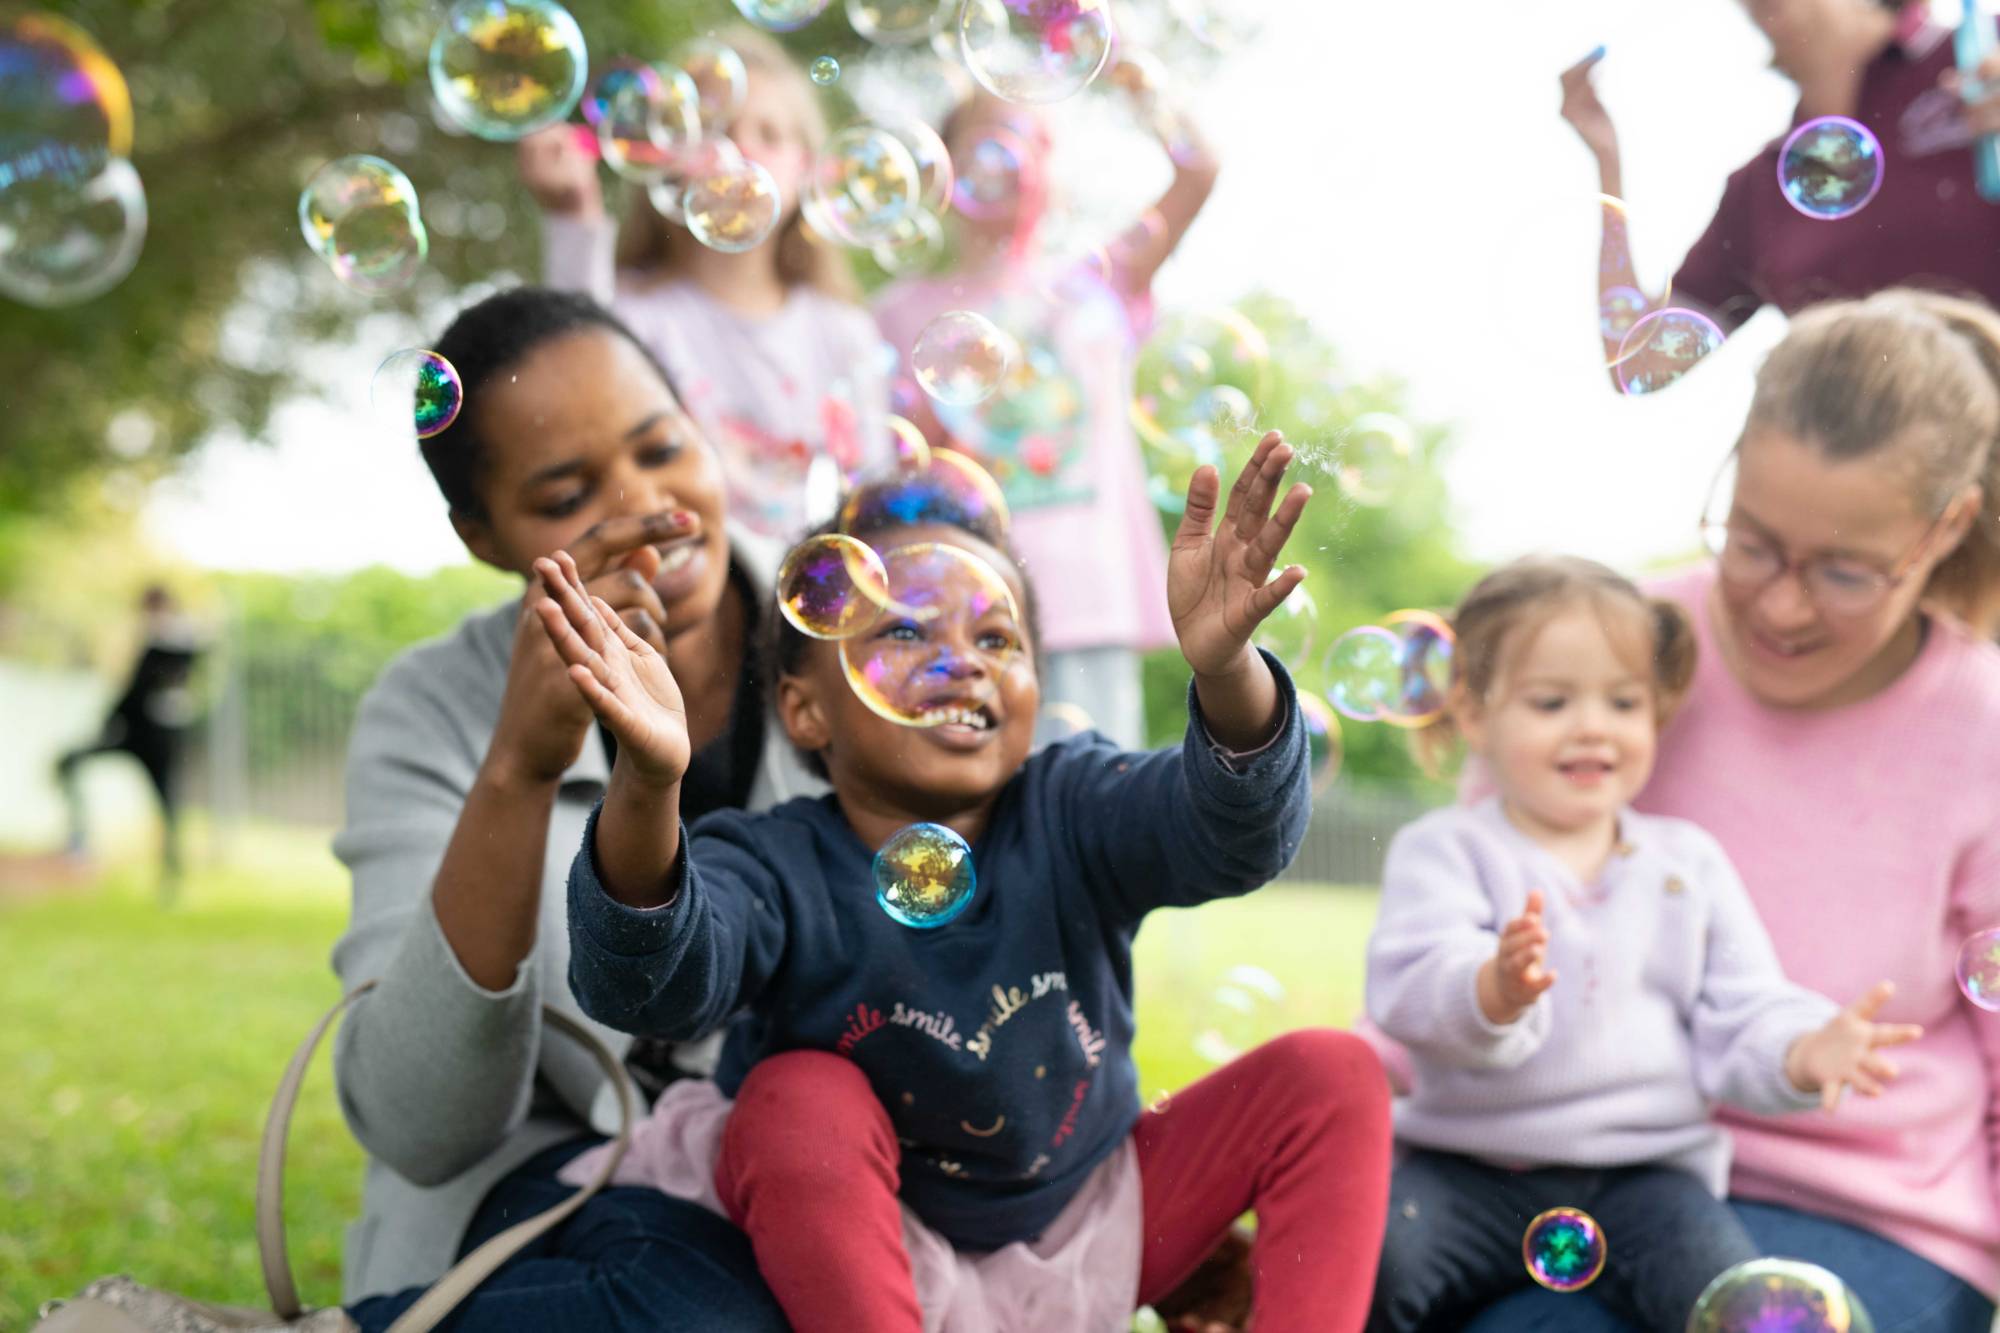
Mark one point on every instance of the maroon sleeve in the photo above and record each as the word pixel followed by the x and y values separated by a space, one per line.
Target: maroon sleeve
pixel 1716 275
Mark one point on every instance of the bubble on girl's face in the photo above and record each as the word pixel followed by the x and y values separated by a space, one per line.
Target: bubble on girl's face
pixel 732 209
pixel 1830 168
pixel 360 215
pixel 648 127
pixel 824 71
pixel 505 68
pixel 993 176
pixel 1979 969
pixel 415 394
pixel 1323 743
pixel 1245 1011
pixel 66 239
pixel 1778 1294
pixel 924 876
pixel 832 586
pixel 1426 645
pixel 65 110
pixel 1564 1249
pixel 1034 50
pixel 1364 673
pixel 862 183
pixel 1664 346
pixel 895 22
pixel 781 15
pixel 914 244
pixel 951 624
pixel 720 78
pixel 1376 456
pixel 948 488
pixel 1618 309
pixel 961 357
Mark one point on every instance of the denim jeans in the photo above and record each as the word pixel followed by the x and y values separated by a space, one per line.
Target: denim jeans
pixel 1903 1292
pixel 1454 1240
pixel 630 1259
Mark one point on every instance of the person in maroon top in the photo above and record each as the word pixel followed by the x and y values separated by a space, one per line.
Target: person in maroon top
pixel 1889 67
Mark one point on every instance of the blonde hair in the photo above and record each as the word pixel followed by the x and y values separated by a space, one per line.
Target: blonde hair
pixel 1914 375
pixel 650 244
pixel 1510 604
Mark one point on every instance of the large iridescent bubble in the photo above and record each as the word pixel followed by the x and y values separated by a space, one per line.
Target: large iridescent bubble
pixel 1830 168
pixel 924 876
pixel 952 627
pixel 67 239
pixel 1564 1249
pixel 1034 50
pixel 1663 347
pixel 65 110
pixel 503 69
pixel 1778 1296
pixel 360 215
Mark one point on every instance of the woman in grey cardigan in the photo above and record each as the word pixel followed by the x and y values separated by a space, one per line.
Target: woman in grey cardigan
pixel 472 767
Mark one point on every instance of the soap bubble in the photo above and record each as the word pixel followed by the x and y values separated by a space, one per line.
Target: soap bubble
pixel 895 22
pixel 415 394
pixel 1766 1295
pixel 1190 355
pixel 1979 969
pixel 65 239
pixel 1564 1249
pixel 1032 431
pixel 1364 673
pixel 1227 408
pixel 914 244
pixel 949 488
pixel 1323 745
pixel 1424 658
pixel 1034 50
pixel 1376 455
pixel 832 586
pixel 65 110
pixel 613 81
pixel 996 172
pixel 950 613
pixel 825 70
pixel 780 15
pixel 360 215
pixel 863 182
pixel 732 209
pixel 1830 168
pixel 1618 309
pixel 1664 346
pixel 935 174
pixel 961 357
pixel 648 127
pixel 506 68
pixel 924 876
pixel 1245 1011
pixel 907 444
pixel 721 80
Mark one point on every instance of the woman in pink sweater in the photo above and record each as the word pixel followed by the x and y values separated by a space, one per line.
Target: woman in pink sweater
pixel 1841 740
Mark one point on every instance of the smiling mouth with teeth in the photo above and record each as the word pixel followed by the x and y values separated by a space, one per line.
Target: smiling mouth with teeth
pixel 976 718
pixel 677 556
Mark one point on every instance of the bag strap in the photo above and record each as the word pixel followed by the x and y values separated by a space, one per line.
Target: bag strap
pixel 474 1268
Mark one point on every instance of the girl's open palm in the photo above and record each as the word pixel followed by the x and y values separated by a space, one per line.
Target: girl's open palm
pixel 1219 584
pixel 623 678
pixel 1843 1053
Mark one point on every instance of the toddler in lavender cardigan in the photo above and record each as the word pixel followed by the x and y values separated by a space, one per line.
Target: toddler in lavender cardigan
pixel 1577 982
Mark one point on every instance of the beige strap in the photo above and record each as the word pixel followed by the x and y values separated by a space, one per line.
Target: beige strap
pixel 474 1268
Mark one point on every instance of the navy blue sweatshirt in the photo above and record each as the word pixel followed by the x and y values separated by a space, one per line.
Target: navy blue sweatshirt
pixel 1001 1042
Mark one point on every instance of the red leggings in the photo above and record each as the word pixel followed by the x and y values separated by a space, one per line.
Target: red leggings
pixel 1298 1129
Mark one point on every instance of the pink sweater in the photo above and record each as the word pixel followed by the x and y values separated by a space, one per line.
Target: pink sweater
pixel 1869 839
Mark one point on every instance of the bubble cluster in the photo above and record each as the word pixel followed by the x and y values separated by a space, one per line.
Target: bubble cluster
pixel 832 586
pixel 924 877
pixel 781 15
pixel 647 124
pixel 952 621
pixel 1663 347
pixel 961 357
pixel 1978 969
pixel 863 182
pixel 1377 455
pixel 732 207
pixel 935 174
pixel 1564 1249
pixel 360 215
pixel 1030 430
pixel 416 393
pixel 1830 168
pixel 66 239
pixel 1778 1294
pixel 721 80
pixel 1323 745
pixel 1245 1010
pixel 505 68
pixel 825 71
pixel 1398 672
pixel 1198 379
pixel 895 22
pixel 1034 50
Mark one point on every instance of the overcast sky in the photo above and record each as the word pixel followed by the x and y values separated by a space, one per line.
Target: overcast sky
pixel 1399 171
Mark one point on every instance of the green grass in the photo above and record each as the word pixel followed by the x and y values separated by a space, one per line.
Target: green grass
pixel 142 1047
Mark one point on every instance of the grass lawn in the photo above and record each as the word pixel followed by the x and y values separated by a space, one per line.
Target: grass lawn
pixel 142 1047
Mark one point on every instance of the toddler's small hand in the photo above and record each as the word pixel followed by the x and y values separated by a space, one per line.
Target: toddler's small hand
pixel 1843 1051
pixel 1517 974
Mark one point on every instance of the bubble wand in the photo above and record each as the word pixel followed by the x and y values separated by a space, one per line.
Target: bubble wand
pixel 1975 39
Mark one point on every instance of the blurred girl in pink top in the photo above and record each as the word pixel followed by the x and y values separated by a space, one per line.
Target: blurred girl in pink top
pixel 1059 437
pixel 1841 740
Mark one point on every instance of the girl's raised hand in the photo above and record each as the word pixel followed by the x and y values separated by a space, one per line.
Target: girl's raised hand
pixel 1517 974
pixel 623 678
pixel 1219 584
pixel 1843 1051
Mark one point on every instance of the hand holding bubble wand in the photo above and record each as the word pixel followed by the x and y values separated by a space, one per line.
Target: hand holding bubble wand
pixel 1973 45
